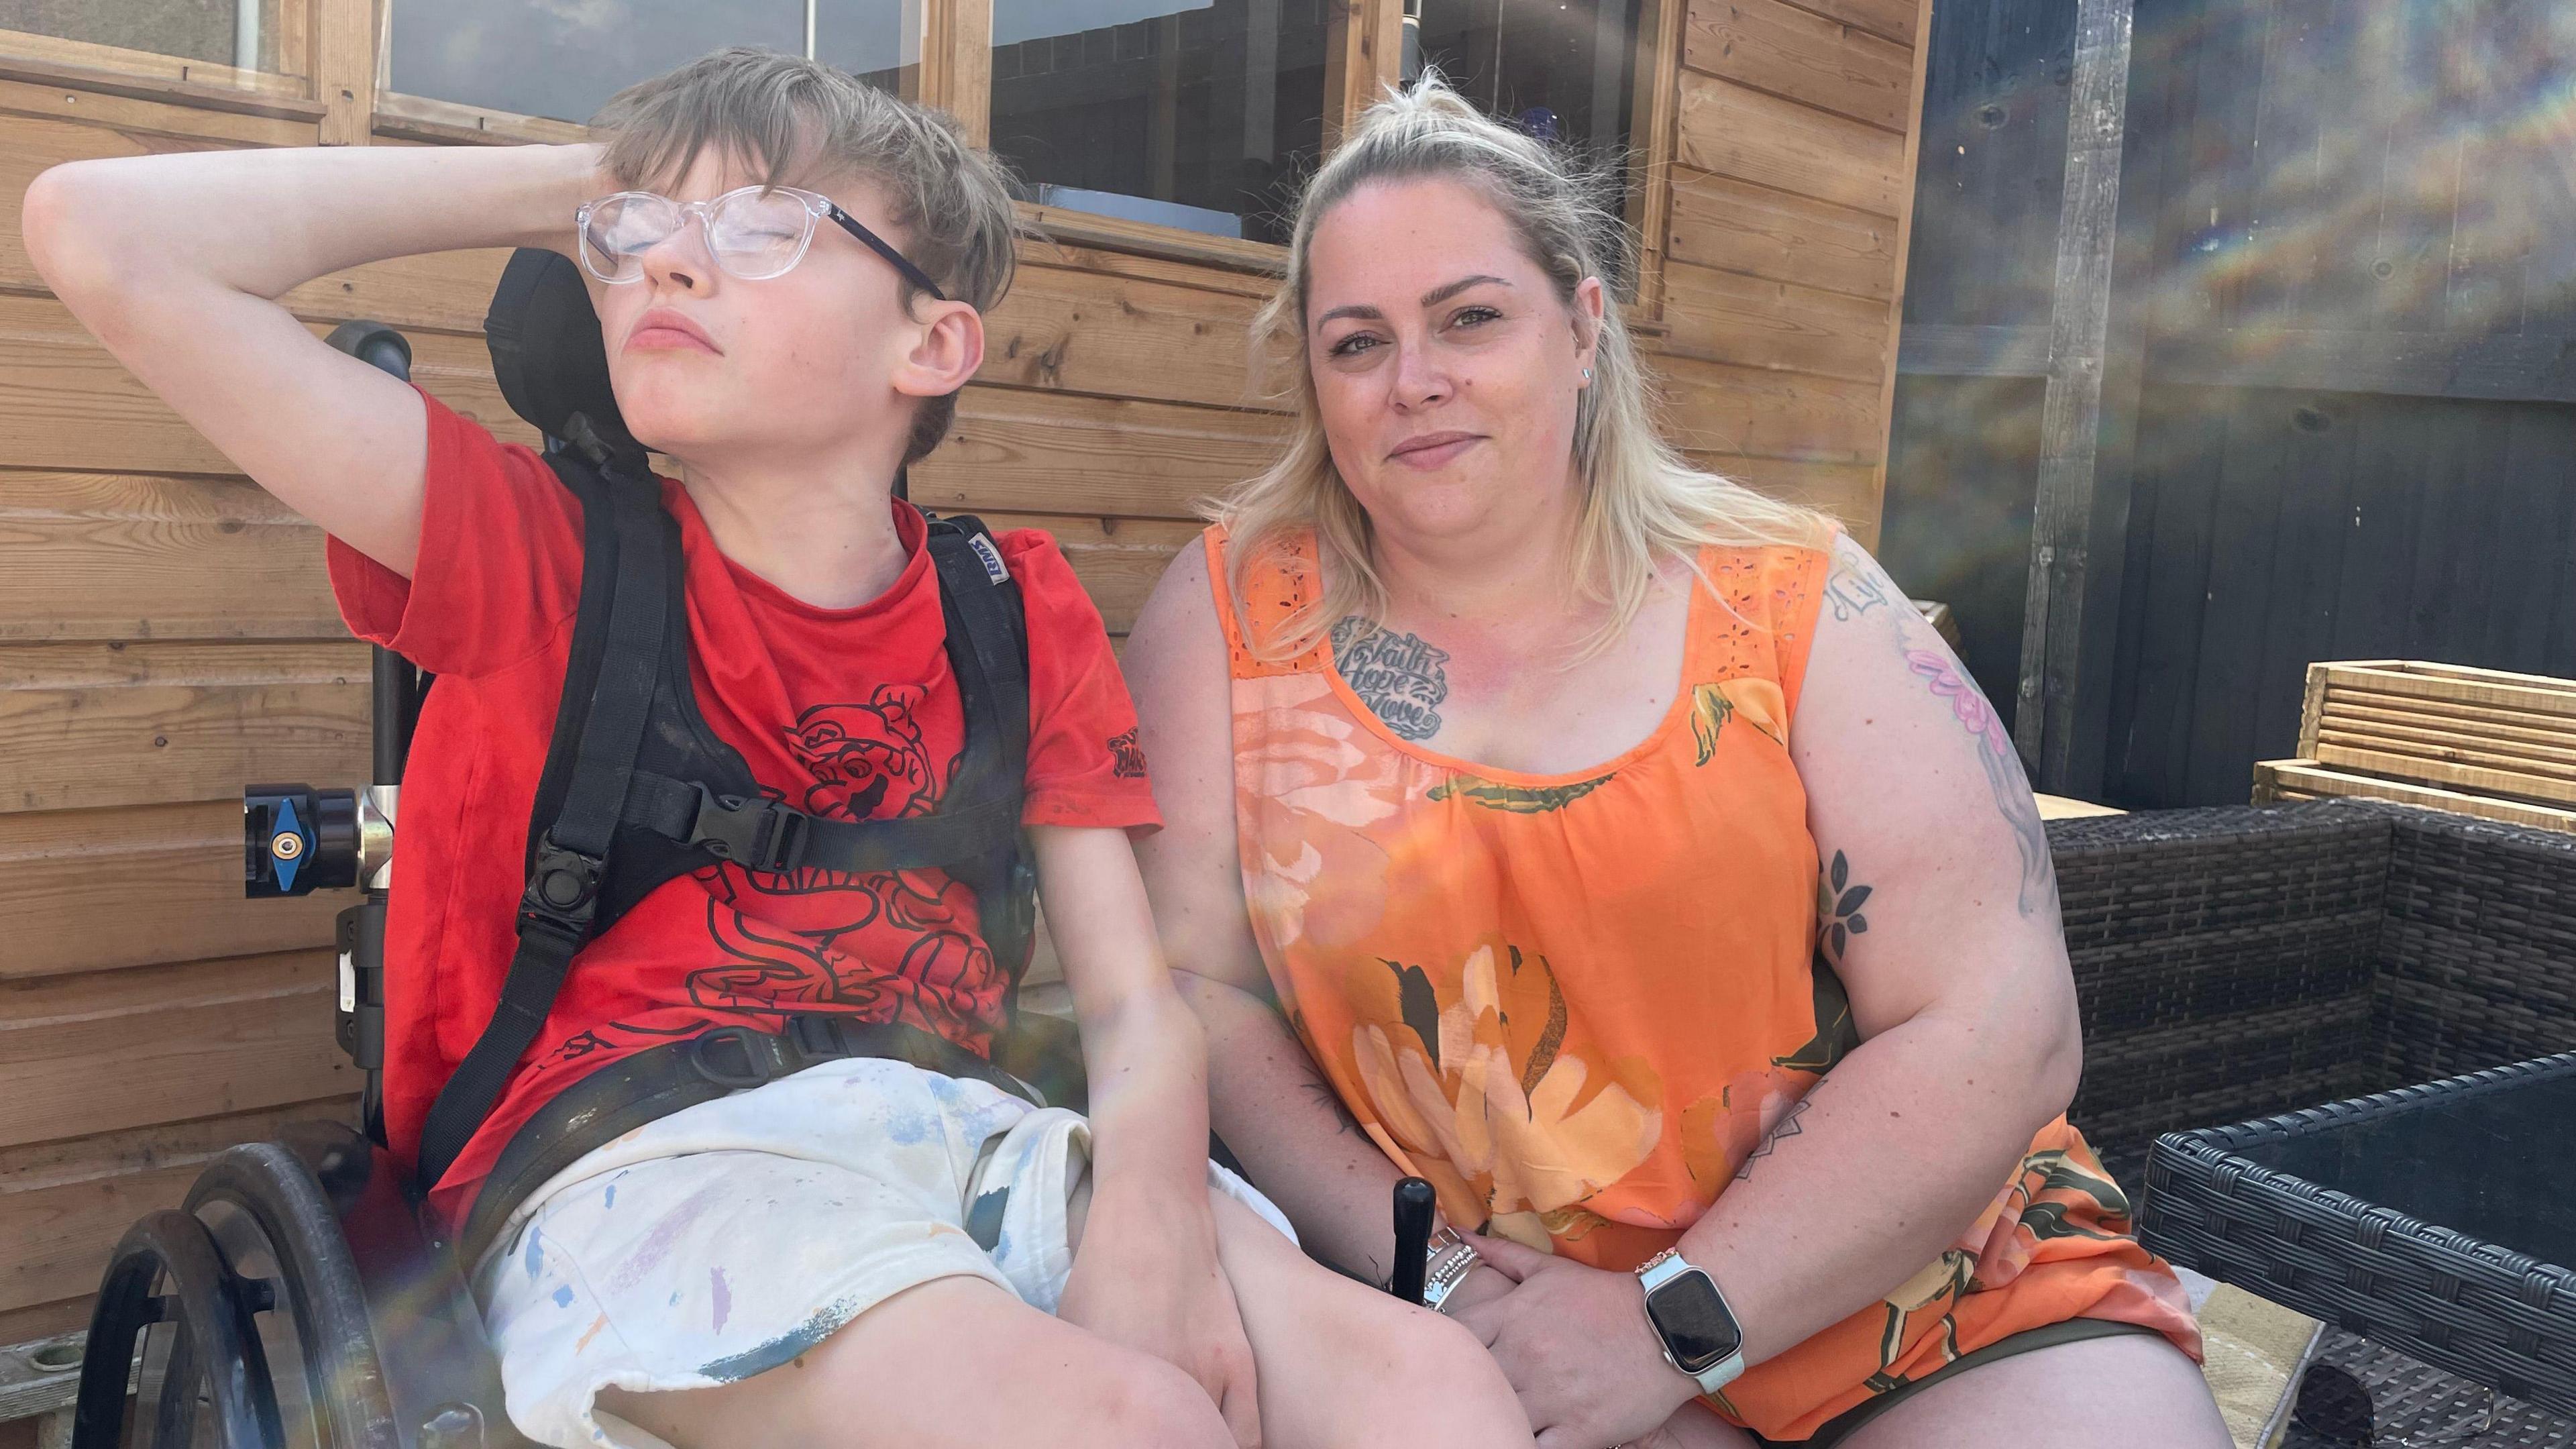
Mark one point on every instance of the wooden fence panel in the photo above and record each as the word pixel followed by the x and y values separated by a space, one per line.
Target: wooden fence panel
pixel 90 725
pixel 98 556
pixel 87 890
pixel 166 632
pixel 1754 322
pixel 1734 131
pixel 1737 226
pixel 1776 47
pixel 114 1050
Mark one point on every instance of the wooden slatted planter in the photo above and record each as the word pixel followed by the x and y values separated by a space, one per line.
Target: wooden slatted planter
pixel 2478 741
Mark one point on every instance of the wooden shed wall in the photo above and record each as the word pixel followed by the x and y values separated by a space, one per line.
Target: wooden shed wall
pixel 166 633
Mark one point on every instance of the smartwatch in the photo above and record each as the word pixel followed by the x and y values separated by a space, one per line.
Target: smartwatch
pixel 1699 1332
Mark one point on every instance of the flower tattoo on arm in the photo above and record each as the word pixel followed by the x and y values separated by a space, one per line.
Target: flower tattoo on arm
pixel 2003 772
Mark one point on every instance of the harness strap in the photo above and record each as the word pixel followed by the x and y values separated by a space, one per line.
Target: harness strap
pixel 980 604
pixel 559 911
pixel 630 584
pixel 765 835
pixel 652 1084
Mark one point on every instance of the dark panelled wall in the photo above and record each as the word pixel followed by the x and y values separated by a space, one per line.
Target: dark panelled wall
pixel 1963 451
pixel 2355 435
pixel 2357 422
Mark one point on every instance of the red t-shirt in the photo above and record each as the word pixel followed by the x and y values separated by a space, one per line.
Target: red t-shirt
pixel 844 712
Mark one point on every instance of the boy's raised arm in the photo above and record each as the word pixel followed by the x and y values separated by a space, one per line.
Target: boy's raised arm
pixel 174 262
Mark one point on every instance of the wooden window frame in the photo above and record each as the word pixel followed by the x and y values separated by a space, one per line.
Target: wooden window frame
pixel 943 29
pixel 344 47
pixel 1654 133
pixel 335 72
pixel 288 92
pixel 1366 55
pixel 1363 56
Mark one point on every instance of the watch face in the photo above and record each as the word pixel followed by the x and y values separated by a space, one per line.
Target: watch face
pixel 1694 1322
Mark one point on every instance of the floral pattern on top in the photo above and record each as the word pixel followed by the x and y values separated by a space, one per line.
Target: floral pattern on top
pixel 1580 1005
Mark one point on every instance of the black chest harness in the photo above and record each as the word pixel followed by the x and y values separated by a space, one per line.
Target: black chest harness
pixel 637 790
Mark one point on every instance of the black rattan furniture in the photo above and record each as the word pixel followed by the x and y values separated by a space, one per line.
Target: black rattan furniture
pixel 2243 961
pixel 2412 1405
pixel 2428 1219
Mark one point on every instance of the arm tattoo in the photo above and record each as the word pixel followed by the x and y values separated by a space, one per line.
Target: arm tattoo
pixel 1852 590
pixel 1325 1096
pixel 1787 1126
pixel 1838 903
pixel 1396 675
pixel 2003 773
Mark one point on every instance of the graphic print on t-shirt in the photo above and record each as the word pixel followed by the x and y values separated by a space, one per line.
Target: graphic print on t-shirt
pixel 864 755
pixel 1129 756
pixel 880 945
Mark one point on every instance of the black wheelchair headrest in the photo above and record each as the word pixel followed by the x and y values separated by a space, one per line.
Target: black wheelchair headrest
pixel 546 349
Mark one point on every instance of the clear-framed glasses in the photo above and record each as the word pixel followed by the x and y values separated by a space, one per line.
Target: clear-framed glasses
pixel 753 232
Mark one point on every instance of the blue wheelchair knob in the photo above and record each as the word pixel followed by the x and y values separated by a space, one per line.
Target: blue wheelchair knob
pixel 288 846
pixel 297 840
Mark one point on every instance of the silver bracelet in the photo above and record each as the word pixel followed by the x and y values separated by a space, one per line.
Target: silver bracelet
pixel 1447 1261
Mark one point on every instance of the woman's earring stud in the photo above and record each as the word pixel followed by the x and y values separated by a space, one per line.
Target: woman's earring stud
pixel 1587 374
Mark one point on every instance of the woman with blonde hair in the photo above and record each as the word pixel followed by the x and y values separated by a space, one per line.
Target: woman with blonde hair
pixel 1613 847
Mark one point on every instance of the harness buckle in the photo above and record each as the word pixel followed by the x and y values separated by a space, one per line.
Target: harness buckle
pixel 760 835
pixel 757 1069
pixel 563 891
pixel 816 1035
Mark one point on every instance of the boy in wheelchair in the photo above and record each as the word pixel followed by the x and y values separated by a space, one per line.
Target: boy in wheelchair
pixel 874 1235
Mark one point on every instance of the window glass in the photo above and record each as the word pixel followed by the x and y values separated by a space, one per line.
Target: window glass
pixel 1561 69
pixel 1198 114
pixel 868 39
pixel 243 34
pixel 563 60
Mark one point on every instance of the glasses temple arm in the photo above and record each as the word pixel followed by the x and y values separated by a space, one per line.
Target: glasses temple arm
pixel 885 249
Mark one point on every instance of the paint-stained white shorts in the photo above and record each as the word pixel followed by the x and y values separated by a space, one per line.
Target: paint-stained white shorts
pixel 726 1239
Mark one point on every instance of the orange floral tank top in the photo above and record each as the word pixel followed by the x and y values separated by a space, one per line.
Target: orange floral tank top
pixel 1576 1003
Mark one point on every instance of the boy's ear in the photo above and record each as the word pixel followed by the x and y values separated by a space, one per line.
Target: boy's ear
pixel 948 353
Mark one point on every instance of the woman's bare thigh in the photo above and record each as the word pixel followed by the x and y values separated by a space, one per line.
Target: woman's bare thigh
pixel 2127 1389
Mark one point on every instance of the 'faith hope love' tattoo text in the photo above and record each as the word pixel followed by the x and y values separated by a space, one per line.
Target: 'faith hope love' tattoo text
pixel 1397 676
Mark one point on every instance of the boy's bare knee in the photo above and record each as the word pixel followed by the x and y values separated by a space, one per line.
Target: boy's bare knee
pixel 1139 1400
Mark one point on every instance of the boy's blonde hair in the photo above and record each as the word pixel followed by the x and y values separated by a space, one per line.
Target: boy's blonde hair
pixel 1643 501
pixel 804 121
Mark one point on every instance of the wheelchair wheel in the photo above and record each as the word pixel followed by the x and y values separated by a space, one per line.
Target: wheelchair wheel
pixel 212 1376
pixel 258 1308
pixel 275 1228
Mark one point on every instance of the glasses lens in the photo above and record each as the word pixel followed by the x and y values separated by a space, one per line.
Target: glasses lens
pixel 621 228
pixel 759 234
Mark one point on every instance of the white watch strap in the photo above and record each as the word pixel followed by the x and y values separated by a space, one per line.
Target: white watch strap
pixel 1663 1268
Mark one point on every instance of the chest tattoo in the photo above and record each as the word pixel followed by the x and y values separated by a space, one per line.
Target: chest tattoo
pixel 1398 676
